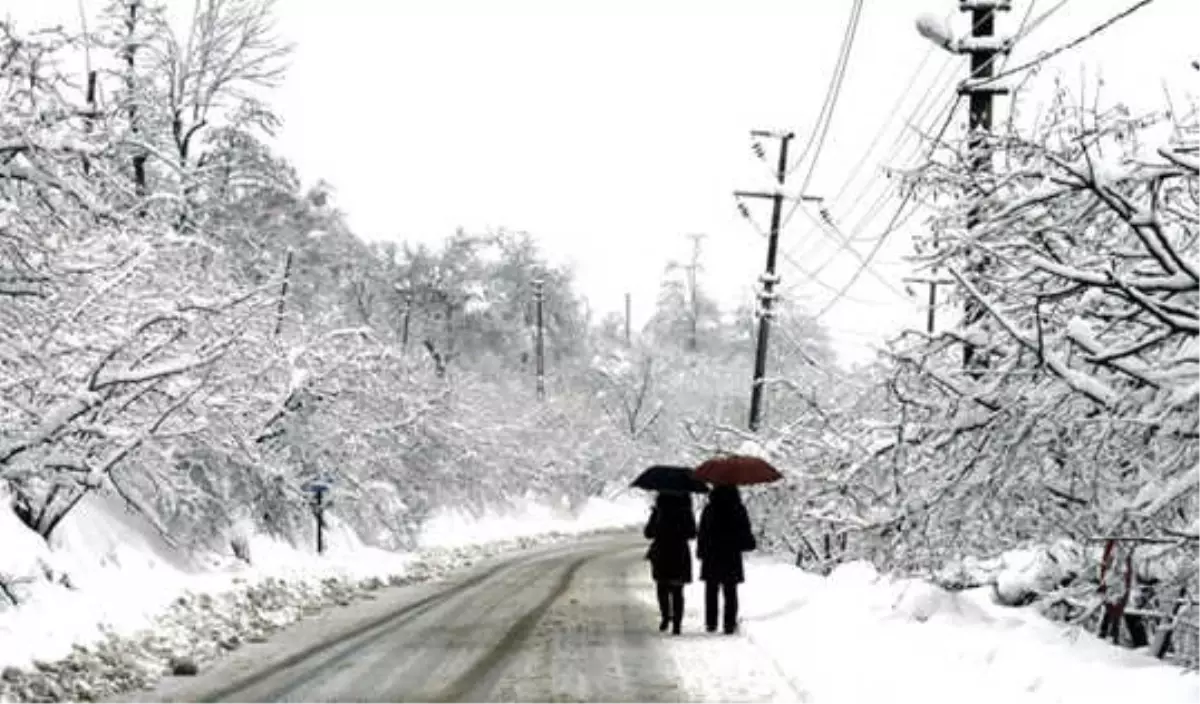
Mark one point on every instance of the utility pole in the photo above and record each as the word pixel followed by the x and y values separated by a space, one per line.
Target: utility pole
pixel 983 49
pixel 769 279
pixel 408 299
pixel 538 297
pixel 283 290
pixel 931 312
pixel 692 270
pixel 319 510
pixel 628 312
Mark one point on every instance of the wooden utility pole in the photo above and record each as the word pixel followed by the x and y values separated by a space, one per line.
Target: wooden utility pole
pixel 694 302
pixel 319 510
pixel 931 312
pixel 769 279
pixel 983 47
pixel 408 300
pixel 538 297
pixel 628 314
pixel 283 290
pixel 92 113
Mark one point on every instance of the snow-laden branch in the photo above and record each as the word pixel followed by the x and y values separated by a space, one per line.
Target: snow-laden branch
pixel 1179 282
pixel 52 424
pixel 172 367
pixel 1185 483
pixel 1093 388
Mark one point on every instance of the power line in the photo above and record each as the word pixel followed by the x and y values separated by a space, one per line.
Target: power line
pixel 824 129
pixel 831 371
pixel 831 94
pixel 1046 55
pixel 830 230
pixel 882 198
pixel 920 111
pixel 799 267
pixel 919 114
pixel 821 268
pixel 891 224
pixel 893 113
pixel 1023 31
pixel 890 185
pixel 1025 28
pixel 869 217
pixel 865 263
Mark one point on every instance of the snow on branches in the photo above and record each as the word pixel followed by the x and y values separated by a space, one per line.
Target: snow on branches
pixel 1084 259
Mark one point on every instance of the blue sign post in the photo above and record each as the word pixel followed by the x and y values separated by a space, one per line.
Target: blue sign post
pixel 318 488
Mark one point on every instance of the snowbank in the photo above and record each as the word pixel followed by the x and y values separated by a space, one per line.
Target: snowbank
pixel 859 636
pixel 110 595
pixel 107 571
pixel 1018 575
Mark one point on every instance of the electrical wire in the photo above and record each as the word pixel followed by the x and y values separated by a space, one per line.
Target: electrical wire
pixel 812 166
pixel 809 278
pixel 1025 28
pixel 830 229
pixel 897 147
pixel 1046 55
pixel 846 242
pixel 834 372
pixel 887 232
pixel 888 186
pixel 831 94
pixel 893 223
pixel 920 114
pixel 893 113
pixel 821 268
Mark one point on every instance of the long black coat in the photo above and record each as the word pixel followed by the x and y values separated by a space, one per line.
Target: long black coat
pixel 669 531
pixel 725 534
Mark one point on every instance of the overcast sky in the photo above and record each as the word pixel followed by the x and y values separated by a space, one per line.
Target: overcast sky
pixel 610 129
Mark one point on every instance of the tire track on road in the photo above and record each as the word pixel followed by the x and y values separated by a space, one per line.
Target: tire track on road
pixel 481 678
pixel 330 653
pixel 446 651
pixel 601 644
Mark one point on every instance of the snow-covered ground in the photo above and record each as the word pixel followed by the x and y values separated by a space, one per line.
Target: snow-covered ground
pixel 110 598
pixel 857 636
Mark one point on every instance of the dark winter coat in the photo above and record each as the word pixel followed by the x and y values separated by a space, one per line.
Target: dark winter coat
pixel 725 534
pixel 672 524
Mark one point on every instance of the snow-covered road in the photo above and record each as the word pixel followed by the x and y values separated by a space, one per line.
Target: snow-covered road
pixel 569 623
pixel 578 622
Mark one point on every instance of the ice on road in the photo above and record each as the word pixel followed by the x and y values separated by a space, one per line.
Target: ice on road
pixel 575 623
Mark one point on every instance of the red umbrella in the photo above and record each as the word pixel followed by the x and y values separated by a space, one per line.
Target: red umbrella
pixel 738 470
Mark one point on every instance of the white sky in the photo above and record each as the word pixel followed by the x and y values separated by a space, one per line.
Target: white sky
pixel 610 129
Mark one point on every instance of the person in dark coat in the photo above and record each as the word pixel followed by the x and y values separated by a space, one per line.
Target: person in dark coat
pixel 724 535
pixel 672 524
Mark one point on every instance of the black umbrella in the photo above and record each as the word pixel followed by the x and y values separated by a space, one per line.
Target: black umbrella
pixel 662 477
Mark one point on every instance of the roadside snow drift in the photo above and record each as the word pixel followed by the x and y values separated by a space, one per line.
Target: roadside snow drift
pixel 857 636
